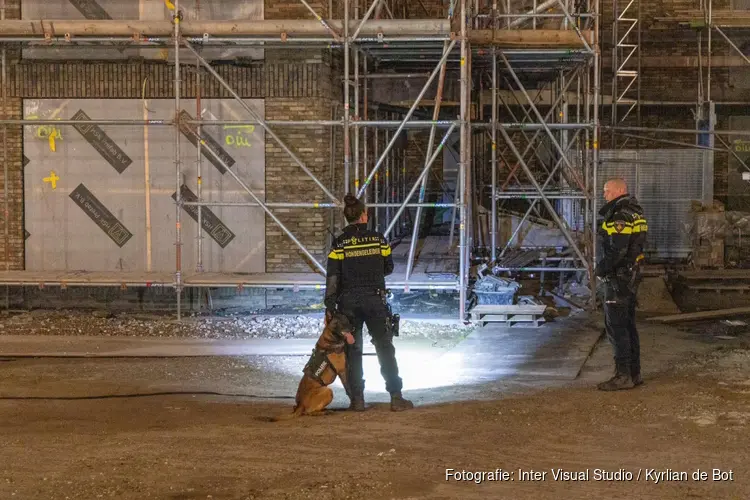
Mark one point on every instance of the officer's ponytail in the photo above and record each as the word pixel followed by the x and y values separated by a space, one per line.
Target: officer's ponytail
pixel 353 208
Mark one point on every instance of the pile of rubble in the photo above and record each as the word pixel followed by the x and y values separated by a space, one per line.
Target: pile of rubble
pixel 233 327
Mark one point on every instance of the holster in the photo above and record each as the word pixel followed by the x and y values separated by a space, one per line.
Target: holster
pixel 624 282
pixel 392 322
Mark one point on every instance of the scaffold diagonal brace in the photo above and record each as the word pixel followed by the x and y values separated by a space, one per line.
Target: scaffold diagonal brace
pixel 534 202
pixel 366 17
pixel 553 139
pixel 417 182
pixel 546 202
pixel 575 26
pixel 336 36
pixel 261 121
pixel 388 148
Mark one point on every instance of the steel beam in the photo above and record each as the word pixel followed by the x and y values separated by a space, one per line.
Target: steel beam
pixel 493 213
pixel 229 28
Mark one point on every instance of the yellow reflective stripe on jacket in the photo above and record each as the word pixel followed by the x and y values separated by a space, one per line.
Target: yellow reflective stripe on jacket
pixel 609 227
pixel 639 226
pixel 339 254
pixel 336 255
pixel 366 245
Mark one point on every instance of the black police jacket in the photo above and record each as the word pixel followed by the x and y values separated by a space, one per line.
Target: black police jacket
pixel 622 235
pixel 360 260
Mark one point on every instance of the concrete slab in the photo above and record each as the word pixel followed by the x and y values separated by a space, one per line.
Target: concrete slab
pixel 554 351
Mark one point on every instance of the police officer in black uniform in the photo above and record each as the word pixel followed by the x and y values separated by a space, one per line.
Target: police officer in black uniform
pixel 622 236
pixel 359 261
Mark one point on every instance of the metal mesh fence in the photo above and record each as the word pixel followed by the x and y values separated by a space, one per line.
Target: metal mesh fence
pixel 665 181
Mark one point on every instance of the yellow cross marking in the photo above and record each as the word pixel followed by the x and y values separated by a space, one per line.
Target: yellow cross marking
pixel 52 179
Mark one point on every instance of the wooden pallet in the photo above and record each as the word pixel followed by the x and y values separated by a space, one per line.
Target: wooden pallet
pixel 508 314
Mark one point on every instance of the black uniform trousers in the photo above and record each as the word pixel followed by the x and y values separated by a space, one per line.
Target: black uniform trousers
pixel 619 321
pixel 367 307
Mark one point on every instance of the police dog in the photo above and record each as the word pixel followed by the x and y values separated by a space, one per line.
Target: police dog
pixel 328 361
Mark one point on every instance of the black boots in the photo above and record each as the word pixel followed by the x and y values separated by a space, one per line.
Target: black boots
pixel 357 401
pixel 622 379
pixel 398 403
pixel 635 373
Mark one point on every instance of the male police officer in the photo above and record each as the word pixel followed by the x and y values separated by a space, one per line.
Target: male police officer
pixel 357 266
pixel 622 236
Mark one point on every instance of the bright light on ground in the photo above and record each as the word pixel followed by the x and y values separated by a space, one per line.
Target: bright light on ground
pixel 418 368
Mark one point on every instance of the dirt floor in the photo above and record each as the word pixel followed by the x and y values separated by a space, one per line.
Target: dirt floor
pixel 190 428
pixel 98 428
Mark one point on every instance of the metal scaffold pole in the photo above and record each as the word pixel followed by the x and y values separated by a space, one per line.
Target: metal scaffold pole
pixel 177 162
pixel 595 143
pixel 199 167
pixel 423 188
pixel 463 166
pixel 347 137
pixel 493 162
pixel 6 202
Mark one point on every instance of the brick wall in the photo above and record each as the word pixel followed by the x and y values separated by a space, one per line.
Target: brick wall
pixel 11 152
pixel 286 182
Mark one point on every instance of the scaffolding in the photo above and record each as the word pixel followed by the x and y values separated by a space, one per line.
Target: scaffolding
pixel 548 47
pixel 626 64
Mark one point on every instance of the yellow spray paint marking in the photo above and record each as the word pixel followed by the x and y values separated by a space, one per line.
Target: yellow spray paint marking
pixel 51 138
pixel 49 132
pixel 52 179
pixel 239 140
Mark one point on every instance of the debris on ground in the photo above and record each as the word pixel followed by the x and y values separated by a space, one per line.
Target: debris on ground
pixel 720 329
pixel 574 288
pixel 529 300
pixel 100 323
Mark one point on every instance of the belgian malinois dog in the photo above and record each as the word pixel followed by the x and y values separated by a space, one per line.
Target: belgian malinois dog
pixel 328 361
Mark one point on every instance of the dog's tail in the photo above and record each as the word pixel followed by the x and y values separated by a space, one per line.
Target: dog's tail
pixel 288 416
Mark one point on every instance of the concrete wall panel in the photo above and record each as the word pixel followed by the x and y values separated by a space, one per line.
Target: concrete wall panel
pixel 93 216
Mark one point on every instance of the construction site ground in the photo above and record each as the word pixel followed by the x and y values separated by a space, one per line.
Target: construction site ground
pixel 88 414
